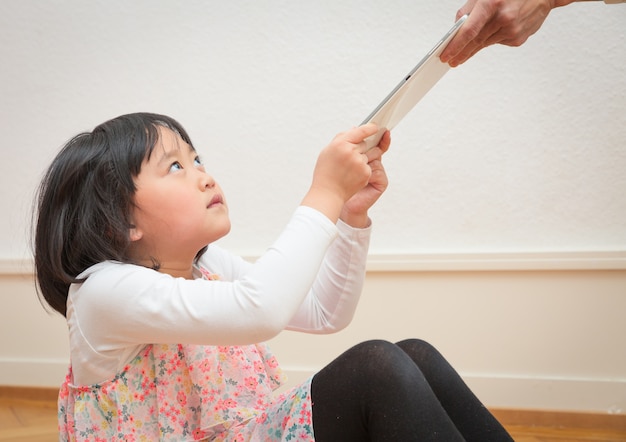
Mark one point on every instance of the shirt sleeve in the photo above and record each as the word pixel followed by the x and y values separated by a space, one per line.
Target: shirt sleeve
pixel 333 298
pixel 121 305
pixel 330 304
pixel 301 282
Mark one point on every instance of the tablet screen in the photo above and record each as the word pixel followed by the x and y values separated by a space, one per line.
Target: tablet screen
pixel 411 88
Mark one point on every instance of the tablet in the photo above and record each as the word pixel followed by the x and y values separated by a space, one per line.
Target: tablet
pixel 411 89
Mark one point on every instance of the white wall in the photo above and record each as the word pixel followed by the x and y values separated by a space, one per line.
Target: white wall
pixel 521 149
pixel 507 180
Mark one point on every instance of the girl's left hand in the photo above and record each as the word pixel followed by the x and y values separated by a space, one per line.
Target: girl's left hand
pixel 354 212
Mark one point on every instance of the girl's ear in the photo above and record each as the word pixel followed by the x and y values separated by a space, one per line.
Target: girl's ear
pixel 134 233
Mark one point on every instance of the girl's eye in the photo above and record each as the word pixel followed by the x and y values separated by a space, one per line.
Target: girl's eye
pixel 197 162
pixel 175 166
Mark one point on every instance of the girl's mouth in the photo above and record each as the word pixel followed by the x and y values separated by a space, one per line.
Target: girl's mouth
pixel 216 200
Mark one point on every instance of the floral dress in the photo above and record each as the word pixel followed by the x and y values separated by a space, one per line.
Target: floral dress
pixel 186 393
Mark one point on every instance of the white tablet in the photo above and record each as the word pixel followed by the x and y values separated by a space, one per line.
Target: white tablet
pixel 411 89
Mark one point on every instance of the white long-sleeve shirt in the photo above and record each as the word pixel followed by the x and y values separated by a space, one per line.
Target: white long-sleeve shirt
pixel 309 280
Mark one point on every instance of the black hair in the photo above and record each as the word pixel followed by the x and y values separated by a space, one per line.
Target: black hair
pixel 85 200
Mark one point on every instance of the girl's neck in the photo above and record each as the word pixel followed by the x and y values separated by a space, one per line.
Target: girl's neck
pixel 175 269
pixel 177 272
pixel 178 265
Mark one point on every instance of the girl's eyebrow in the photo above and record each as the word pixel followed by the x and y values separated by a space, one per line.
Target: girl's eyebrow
pixel 168 154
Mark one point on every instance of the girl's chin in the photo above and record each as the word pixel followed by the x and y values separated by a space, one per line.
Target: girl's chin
pixel 217 235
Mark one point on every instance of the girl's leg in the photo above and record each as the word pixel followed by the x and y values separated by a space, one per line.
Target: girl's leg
pixel 469 415
pixel 375 392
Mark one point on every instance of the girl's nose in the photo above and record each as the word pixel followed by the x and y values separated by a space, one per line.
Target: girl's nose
pixel 206 181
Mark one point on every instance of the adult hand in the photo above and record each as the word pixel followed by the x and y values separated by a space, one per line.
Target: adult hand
pixel 508 22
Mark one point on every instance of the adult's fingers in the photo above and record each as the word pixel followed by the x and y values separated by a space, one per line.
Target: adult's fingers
pixel 471 29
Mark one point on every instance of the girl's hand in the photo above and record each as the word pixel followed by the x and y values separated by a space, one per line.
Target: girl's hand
pixel 341 171
pixel 354 211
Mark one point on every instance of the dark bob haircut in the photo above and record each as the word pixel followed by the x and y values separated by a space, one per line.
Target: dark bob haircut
pixel 85 199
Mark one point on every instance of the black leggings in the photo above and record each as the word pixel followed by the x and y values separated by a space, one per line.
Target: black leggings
pixel 379 391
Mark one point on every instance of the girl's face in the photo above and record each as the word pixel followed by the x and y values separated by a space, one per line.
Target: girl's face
pixel 179 207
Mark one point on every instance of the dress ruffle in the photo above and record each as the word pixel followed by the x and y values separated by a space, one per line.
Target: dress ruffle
pixel 187 393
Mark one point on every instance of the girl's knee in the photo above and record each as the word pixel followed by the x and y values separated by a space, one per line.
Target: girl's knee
pixel 376 362
pixel 424 355
pixel 367 364
pixel 382 360
pixel 376 350
pixel 418 346
pixel 373 345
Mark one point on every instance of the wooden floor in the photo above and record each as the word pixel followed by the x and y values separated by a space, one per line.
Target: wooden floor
pixel 30 415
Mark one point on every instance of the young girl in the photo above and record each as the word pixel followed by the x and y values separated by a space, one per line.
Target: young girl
pixel 166 329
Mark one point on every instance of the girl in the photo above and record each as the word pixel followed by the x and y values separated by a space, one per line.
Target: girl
pixel 166 329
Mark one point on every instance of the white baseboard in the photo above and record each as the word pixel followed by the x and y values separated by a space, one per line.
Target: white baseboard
pixel 32 372
pixel 560 394
pixel 512 392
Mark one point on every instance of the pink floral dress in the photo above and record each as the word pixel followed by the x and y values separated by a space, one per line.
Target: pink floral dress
pixel 187 393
